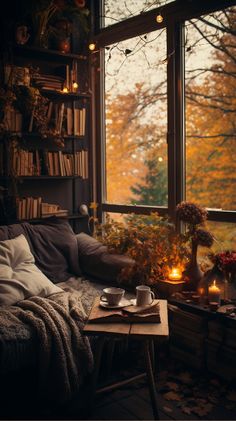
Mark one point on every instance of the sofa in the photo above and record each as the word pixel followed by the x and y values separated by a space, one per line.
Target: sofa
pixel 49 277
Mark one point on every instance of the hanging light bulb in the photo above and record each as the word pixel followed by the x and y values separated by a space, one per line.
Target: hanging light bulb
pixel 159 18
pixel 92 46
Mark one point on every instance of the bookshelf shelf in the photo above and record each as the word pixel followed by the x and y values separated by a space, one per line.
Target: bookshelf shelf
pixel 69 96
pixel 30 160
pixel 38 220
pixel 49 177
pixel 46 54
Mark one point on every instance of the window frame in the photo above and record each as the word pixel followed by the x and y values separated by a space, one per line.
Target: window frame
pixel 175 14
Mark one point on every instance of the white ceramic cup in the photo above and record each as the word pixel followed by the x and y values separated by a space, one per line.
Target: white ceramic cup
pixel 112 296
pixel 144 295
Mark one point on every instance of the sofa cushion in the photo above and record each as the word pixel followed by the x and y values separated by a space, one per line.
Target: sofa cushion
pixel 53 244
pixel 96 261
pixel 19 276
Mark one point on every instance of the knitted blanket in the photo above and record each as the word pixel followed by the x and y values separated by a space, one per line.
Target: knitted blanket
pixel 64 354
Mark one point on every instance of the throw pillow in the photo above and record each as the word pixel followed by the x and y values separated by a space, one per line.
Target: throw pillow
pixel 96 261
pixel 54 246
pixel 19 276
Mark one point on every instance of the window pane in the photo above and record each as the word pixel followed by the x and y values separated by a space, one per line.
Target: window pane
pixel 224 234
pixel 210 110
pixel 116 11
pixel 136 150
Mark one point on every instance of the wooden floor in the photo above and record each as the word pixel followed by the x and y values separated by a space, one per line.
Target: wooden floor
pixel 133 403
pixel 183 394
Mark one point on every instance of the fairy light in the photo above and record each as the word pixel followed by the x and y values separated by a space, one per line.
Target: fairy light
pixel 159 18
pixel 92 46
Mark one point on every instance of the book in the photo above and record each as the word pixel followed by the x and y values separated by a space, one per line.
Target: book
pixel 129 314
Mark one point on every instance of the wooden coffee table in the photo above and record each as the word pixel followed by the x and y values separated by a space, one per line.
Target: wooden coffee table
pixel 145 332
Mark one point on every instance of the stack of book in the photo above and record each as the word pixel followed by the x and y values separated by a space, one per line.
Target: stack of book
pixel 50 209
pixel 49 82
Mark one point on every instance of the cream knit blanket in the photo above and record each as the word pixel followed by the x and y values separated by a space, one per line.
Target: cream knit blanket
pixel 64 354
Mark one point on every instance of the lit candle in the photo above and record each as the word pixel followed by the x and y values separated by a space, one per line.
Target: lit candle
pixel 175 275
pixel 214 293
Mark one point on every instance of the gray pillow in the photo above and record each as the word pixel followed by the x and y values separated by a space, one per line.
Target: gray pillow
pixel 96 261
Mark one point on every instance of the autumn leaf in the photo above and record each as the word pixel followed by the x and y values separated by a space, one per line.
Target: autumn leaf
pixel 172 386
pixel 186 410
pixel 172 396
pixel 167 409
pixel 202 410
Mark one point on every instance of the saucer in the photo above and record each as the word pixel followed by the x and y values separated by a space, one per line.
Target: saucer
pixel 122 303
pixel 134 303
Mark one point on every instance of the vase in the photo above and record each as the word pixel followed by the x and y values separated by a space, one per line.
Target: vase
pixel 230 286
pixel 192 274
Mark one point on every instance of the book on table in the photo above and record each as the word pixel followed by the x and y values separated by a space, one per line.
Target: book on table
pixel 128 314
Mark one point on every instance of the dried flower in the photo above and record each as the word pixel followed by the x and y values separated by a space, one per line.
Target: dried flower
pixel 191 213
pixel 203 238
pixel 225 260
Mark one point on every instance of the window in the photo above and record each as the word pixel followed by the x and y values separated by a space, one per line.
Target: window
pixel 136 121
pixel 115 11
pixel 177 80
pixel 210 110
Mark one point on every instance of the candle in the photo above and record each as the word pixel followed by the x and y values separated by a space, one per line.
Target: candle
pixel 175 275
pixel 214 293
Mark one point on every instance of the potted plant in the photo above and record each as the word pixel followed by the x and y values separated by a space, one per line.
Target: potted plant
pixel 151 241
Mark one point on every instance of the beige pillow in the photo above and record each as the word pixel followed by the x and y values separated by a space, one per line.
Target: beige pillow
pixel 19 276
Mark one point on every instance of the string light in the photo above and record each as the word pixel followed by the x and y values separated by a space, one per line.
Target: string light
pixel 92 46
pixel 159 18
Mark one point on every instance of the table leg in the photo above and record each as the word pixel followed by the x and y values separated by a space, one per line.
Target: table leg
pixel 150 379
pixel 152 354
pixel 97 362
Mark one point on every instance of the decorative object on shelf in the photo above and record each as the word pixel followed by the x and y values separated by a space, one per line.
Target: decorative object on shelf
pixel 214 294
pixel 60 38
pixel 194 216
pixel 225 267
pixel 151 241
pixel 22 35
pixel 46 15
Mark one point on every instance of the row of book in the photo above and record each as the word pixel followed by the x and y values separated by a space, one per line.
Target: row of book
pixel 72 121
pixel 13 120
pixel 33 207
pixel 62 164
pixel 41 162
pixel 63 119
